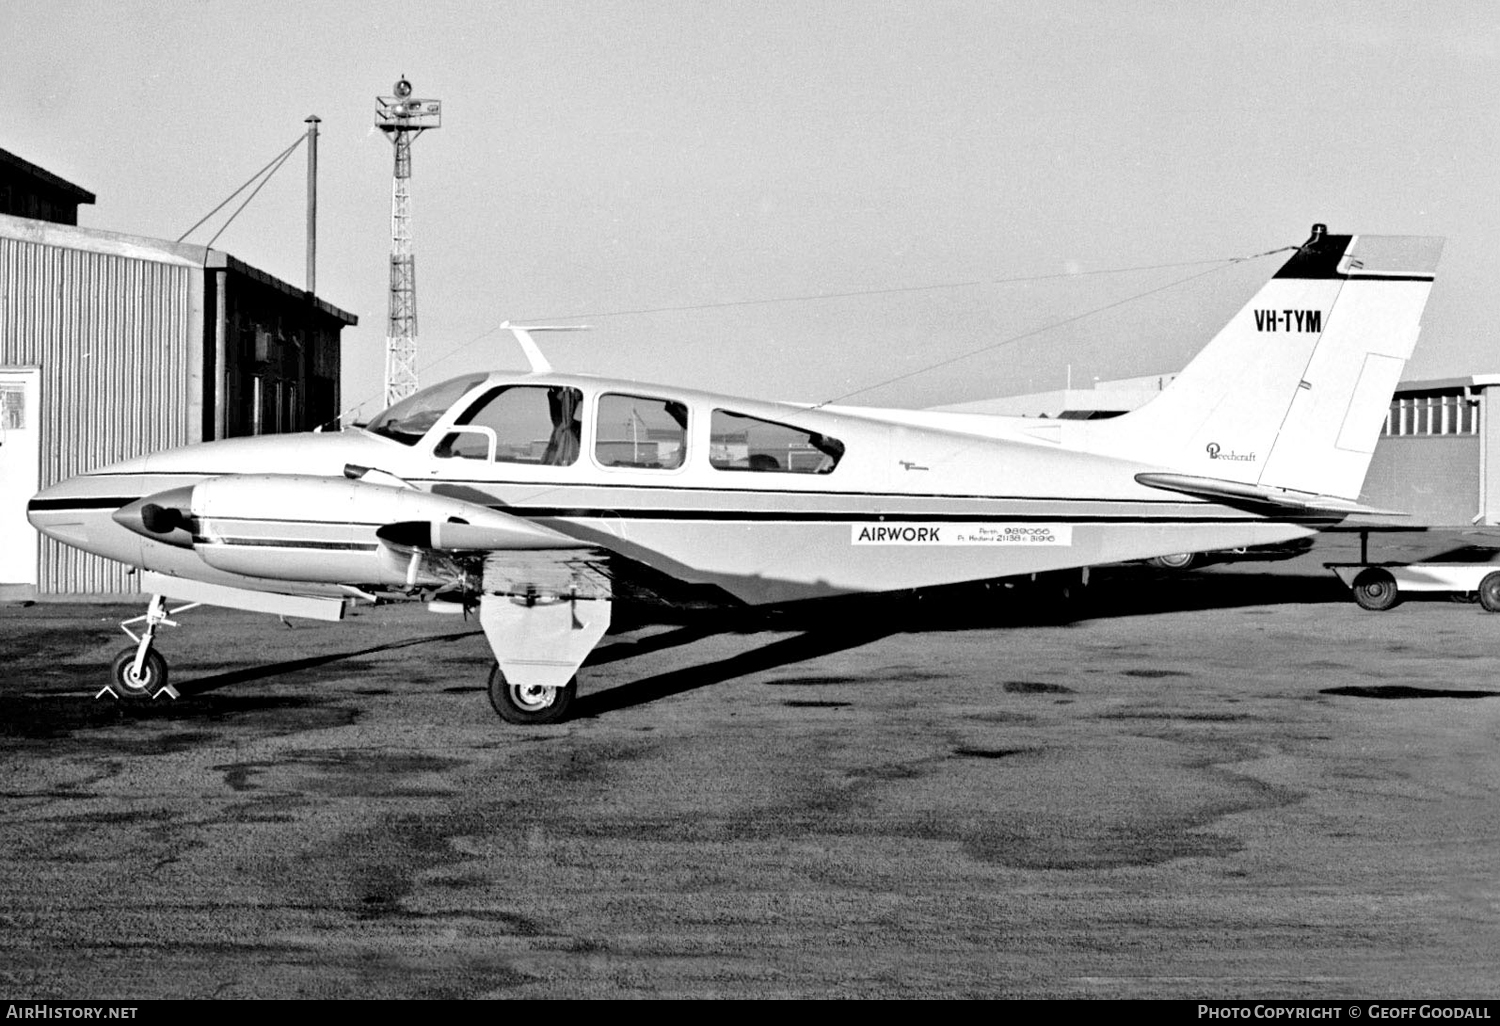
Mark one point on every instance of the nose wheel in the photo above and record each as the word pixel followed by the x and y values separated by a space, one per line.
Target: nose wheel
pixel 135 684
pixel 139 672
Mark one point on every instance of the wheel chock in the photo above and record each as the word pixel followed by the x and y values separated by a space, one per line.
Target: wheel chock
pixel 169 691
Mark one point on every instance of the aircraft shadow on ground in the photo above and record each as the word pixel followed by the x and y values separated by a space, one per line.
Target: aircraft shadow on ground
pixel 48 715
pixel 823 627
pixel 58 715
pixel 1391 692
pixel 1139 591
pixel 222 680
pixel 826 626
pixel 1114 592
pixel 796 649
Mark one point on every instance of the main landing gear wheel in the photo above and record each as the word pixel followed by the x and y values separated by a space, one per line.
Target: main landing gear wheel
pixel 1489 592
pixel 530 706
pixel 1176 561
pixel 148 683
pixel 1376 590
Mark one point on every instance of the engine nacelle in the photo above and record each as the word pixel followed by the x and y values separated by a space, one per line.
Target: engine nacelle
pixel 296 527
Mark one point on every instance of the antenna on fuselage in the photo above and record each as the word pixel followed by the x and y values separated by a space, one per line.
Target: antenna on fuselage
pixel 539 364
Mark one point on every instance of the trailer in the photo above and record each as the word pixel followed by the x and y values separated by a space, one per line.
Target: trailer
pixel 1380 586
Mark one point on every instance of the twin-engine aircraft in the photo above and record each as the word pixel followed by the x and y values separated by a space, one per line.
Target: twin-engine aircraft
pixel 542 497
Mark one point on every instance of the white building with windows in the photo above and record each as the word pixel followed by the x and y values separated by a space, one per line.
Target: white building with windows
pixel 1438 457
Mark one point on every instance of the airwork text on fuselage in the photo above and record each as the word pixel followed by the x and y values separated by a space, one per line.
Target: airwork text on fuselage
pixel 960 533
pixel 1289 320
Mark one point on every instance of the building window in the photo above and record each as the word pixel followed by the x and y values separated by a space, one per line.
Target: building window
pixel 289 420
pixel 1431 414
pixel 12 408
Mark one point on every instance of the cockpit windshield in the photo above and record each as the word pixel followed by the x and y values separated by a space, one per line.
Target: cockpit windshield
pixel 411 418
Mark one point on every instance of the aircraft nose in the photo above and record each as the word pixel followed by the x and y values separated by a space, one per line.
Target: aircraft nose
pixel 60 513
pixel 164 517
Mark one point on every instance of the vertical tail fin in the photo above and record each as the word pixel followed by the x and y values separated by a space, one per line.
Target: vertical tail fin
pixel 1292 393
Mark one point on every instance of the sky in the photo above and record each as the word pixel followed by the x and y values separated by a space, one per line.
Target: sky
pixel 891 204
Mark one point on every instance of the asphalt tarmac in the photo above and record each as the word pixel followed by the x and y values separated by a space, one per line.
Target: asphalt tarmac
pixel 1224 784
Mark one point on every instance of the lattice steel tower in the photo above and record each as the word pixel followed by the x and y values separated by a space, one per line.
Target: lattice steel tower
pixel 403 118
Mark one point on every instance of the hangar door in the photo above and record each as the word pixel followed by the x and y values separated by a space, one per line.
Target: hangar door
pixel 20 469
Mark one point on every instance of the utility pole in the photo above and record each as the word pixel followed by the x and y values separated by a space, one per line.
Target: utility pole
pixel 312 121
pixel 301 400
pixel 403 118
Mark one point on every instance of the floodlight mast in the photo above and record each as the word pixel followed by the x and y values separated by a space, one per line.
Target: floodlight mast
pixel 403 118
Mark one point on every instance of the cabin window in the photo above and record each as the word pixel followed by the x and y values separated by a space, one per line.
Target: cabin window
pixel 518 424
pixel 738 442
pixel 411 418
pixel 640 431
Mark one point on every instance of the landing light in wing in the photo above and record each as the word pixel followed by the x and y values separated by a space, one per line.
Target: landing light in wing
pixel 511 533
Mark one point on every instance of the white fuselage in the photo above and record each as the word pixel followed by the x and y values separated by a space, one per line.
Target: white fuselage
pixel 915 500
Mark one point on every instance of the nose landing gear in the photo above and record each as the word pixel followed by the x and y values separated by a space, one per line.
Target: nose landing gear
pixel 139 672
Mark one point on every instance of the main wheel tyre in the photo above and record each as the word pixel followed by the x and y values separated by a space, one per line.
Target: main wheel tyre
pixel 1176 561
pixel 530 706
pixel 1489 592
pixel 1376 590
pixel 152 678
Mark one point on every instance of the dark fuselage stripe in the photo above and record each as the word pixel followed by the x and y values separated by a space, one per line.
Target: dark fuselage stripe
pixel 781 515
pixel 63 505
pixel 869 516
pixel 284 543
pixel 430 484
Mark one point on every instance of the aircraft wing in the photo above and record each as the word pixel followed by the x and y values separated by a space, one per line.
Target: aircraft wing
pixel 521 556
pixel 545 598
pixel 1261 497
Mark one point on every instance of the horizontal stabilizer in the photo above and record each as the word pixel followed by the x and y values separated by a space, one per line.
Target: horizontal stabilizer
pixel 1238 493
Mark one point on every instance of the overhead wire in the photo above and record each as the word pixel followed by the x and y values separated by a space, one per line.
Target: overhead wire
pixel 285 157
pixel 273 165
pixel 1045 327
pixel 1220 262
pixel 813 297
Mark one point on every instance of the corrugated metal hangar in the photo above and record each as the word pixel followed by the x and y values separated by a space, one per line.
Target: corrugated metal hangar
pixel 114 345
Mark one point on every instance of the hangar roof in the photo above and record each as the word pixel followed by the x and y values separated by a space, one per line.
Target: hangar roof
pixel 45 177
pixel 140 247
